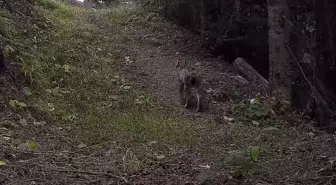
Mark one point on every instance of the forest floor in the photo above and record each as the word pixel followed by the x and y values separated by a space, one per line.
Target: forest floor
pixel 101 106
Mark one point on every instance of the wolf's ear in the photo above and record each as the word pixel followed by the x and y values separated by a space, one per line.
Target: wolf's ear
pixel 184 63
pixel 177 64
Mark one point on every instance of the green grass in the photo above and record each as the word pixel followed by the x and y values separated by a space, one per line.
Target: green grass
pixel 49 4
pixel 7 25
pixel 73 67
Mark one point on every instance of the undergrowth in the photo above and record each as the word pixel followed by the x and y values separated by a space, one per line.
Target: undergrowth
pixel 261 111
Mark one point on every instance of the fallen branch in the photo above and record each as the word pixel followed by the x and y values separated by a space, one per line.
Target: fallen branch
pixel 304 76
pixel 316 95
pixel 289 22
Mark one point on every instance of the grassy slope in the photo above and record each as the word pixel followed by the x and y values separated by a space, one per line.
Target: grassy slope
pixel 73 68
pixel 78 75
pixel 74 60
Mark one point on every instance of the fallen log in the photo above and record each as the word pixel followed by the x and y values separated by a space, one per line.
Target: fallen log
pixel 247 70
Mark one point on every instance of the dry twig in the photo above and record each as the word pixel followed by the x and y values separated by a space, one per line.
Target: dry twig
pixel 314 90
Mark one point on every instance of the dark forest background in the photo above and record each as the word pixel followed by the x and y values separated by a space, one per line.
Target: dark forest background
pixel 240 28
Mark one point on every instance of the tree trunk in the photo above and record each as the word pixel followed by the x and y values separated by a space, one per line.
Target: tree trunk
pixel 203 19
pixel 322 38
pixel 325 41
pixel 237 10
pixel 279 57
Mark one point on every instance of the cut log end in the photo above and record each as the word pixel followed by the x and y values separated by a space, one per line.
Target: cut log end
pixel 247 70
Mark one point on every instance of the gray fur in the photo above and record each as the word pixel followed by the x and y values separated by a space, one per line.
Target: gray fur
pixel 187 81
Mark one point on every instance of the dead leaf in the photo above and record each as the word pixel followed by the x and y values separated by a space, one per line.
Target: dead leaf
pixel 5 138
pixel 160 157
pixel 204 166
pixel 2 163
pixel 127 87
pixel 81 146
pixel 113 97
pixel 39 123
pixel 255 123
pixel 17 104
pixel 9 49
pixel 153 142
pixel 66 68
pixel 228 119
pixel 128 60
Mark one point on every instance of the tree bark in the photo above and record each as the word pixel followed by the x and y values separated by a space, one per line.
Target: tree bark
pixel 279 57
pixel 203 19
pixel 238 10
pixel 322 38
pixel 325 40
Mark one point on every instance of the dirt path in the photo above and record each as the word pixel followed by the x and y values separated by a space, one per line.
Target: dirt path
pixel 155 69
pixel 154 53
